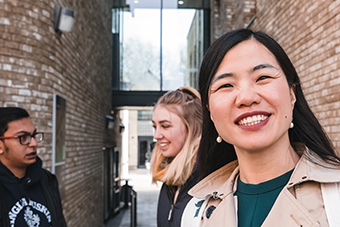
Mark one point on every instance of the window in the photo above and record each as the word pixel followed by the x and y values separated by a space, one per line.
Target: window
pixel 156 41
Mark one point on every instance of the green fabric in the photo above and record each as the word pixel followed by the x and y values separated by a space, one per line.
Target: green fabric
pixel 256 200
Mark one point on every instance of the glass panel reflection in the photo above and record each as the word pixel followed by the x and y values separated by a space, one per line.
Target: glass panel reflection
pixel 141 50
pixel 161 49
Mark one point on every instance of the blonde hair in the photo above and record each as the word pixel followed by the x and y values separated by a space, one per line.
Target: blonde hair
pixel 184 102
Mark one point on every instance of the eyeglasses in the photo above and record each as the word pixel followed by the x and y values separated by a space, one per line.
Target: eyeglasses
pixel 26 138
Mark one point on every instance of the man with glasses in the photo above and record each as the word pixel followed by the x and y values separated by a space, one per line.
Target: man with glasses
pixel 29 194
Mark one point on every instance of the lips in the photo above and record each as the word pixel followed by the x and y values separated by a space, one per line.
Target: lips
pixel 32 155
pixel 251 119
pixel 163 145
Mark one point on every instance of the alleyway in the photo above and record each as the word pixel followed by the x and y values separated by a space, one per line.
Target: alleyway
pixel 147 196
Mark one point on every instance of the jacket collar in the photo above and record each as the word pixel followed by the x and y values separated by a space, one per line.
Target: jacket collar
pixel 220 183
pixel 217 184
pixel 307 169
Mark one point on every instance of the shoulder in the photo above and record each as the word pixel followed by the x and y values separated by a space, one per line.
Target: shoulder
pixel 48 177
pixel 192 180
pixel 315 169
pixel 220 183
pixel 163 192
pixel 48 173
pixel 215 181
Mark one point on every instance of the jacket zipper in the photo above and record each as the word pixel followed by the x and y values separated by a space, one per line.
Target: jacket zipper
pixel 172 205
pixel 170 212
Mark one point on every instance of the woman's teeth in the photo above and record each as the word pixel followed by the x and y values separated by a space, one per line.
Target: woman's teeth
pixel 252 120
pixel 163 144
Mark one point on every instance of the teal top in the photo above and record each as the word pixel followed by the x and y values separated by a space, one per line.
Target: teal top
pixel 256 200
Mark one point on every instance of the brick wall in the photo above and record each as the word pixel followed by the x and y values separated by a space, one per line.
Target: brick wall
pixel 230 14
pixel 309 32
pixel 36 63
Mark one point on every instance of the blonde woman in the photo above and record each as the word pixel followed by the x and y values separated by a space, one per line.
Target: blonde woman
pixel 177 122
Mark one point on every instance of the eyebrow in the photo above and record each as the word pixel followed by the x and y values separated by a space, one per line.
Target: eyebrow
pixel 258 67
pixel 262 66
pixel 25 132
pixel 222 76
pixel 162 121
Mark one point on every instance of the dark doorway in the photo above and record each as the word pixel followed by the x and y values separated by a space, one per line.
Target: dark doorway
pixel 144 152
pixel 111 182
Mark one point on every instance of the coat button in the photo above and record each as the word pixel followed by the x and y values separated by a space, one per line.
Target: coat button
pixel 209 211
pixel 215 195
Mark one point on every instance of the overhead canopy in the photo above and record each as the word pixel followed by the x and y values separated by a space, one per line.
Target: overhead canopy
pixel 135 98
pixel 167 4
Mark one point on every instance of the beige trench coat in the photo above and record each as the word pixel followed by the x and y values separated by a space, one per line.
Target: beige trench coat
pixel 299 204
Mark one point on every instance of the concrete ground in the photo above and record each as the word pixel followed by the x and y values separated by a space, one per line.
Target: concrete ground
pixel 147 196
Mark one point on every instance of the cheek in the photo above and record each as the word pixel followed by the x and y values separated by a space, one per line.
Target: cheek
pixel 218 109
pixel 286 102
pixel 180 145
pixel 180 139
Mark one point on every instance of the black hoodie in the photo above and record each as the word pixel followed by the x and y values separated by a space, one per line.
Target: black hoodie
pixel 168 213
pixel 33 200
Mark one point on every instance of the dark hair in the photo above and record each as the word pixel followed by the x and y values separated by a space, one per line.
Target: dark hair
pixel 307 129
pixel 9 114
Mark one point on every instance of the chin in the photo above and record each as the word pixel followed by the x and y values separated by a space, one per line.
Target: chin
pixel 167 155
pixel 31 161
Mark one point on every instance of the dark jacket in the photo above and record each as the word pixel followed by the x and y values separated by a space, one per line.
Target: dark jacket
pixel 39 185
pixel 168 213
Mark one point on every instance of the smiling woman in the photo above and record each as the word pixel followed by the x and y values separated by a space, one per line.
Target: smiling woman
pixel 177 122
pixel 263 153
pixel 254 102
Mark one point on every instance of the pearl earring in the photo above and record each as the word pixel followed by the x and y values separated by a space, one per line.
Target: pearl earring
pixel 291 125
pixel 218 139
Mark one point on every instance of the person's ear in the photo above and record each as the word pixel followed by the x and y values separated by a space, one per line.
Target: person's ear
pixel 2 147
pixel 207 107
pixel 292 96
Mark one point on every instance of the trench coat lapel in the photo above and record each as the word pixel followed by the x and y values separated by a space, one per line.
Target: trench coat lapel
pixel 226 214
pixel 288 211
pixel 220 182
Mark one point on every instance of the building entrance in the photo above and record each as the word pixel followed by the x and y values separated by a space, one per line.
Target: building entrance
pixel 144 151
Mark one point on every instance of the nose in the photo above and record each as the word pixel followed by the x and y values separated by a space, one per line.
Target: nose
pixel 33 142
pixel 247 96
pixel 157 135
